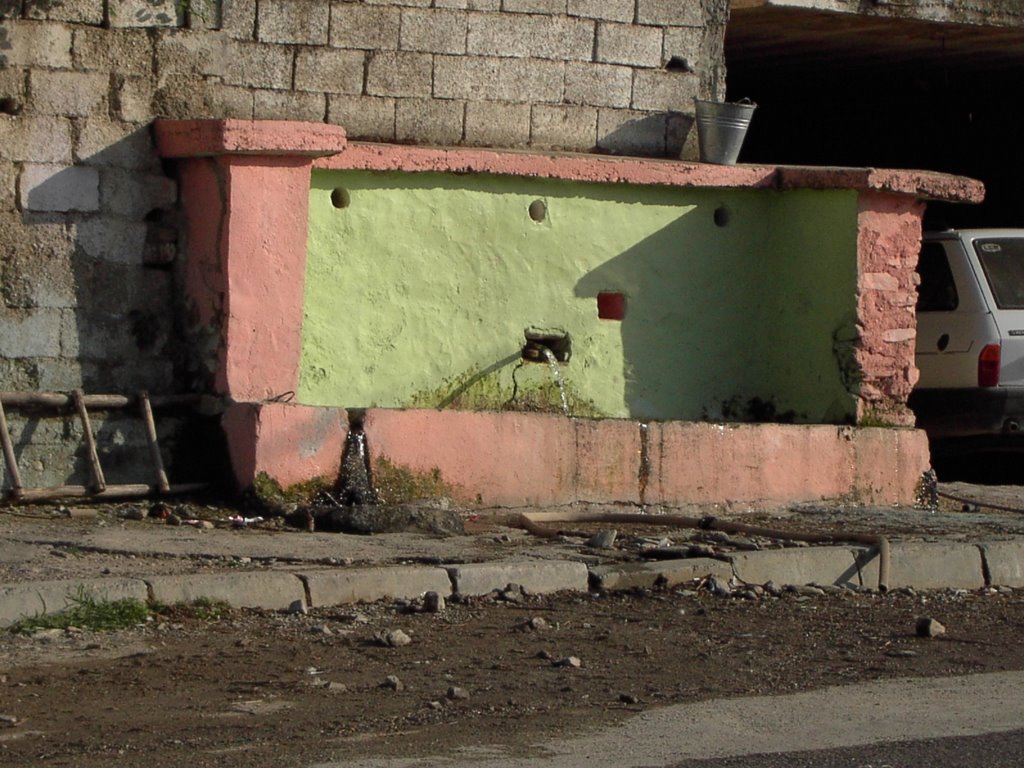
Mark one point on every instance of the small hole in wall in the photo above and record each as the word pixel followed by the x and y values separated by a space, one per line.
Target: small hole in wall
pixel 10 106
pixel 721 216
pixel 538 210
pixel 340 198
pixel 611 305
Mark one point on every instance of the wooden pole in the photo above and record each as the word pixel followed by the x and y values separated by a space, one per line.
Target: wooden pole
pixel 154 447
pixel 9 459
pixel 95 469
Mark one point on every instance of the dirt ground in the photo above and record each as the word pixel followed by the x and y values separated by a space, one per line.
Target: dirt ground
pixel 249 688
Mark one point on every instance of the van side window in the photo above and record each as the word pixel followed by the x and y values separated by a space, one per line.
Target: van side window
pixel 937 291
pixel 1002 258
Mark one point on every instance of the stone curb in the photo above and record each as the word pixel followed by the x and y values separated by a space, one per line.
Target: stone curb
pixel 20 601
pixel 914 564
pixel 337 587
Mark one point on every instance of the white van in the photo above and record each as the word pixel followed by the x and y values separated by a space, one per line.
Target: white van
pixel 970 338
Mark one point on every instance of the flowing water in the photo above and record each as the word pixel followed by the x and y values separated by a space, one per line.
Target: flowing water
pixel 354 486
pixel 553 365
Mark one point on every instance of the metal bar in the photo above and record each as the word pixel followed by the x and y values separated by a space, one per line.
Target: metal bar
pixel 154 447
pixel 90 442
pixel 111 491
pixel 9 458
pixel 100 402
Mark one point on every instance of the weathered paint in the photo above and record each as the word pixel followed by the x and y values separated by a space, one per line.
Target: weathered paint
pixel 419 290
pixel 514 459
pixel 289 443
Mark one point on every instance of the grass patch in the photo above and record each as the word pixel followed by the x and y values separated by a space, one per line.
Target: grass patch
pixel 89 612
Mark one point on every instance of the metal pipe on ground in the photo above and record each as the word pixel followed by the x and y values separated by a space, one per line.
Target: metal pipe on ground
pixel 532 522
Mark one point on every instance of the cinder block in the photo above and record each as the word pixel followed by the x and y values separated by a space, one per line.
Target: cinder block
pixel 666 572
pixel 36 139
pixel 20 601
pixel 135 194
pixel 34 44
pixel 56 375
pixel 681 13
pixel 629 44
pixel 305 22
pixel 681 141
pixel 122 145
pixel 534 6
pixel 628 132
pixel 491 124
pixel 290 105
pixel 657 91
pixel 543 37
pixel 537 576
pixel 30 279
pixel 608 10
pixel 238 18
pixel 271 591
pixel 472 5
pixel 188 97
pixel 259 66
pixel 110 238
pixel 433 121
pixel 73 11
pixel 329 70
pixel 363 117
pixel 8 183
pixel 144 13
pixel 572 128
pixel 399 74
pixel 12 86
pixel 493 79
pixel 355 585
pixel 128 52
pixel 1005 562
pixel 370 28
pixel 598 85
pixel 23 376
pixel 132 99
pixel 59 188
pixel 433 31
pixel 33 333
pixel 687 43
pixel 191 53
pixel 812 565
pixel 409 3
pixel 75 94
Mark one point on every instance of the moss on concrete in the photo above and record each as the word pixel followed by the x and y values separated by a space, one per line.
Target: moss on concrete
pixel 395 484
pixel 268 492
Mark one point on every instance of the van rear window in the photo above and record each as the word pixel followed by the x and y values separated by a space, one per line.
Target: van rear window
pixel 1002 258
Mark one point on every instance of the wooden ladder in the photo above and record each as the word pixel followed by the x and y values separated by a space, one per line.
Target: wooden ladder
pixel 98 486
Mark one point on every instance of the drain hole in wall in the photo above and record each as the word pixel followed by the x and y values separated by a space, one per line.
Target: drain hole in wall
pixel 340 198
pixel 10 106
pixel 538 210
pixel 721 216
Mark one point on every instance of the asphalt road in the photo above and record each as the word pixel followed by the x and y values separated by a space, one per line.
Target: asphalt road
pixel 992 750
pixel 971 720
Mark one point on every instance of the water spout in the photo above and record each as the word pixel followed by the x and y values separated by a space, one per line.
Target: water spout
pixel 553 365
pixel 354 485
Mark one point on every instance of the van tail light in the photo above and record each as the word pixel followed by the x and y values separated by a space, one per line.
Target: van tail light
pixel 988 366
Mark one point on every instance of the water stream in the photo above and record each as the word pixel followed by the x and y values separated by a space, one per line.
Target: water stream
pixel 553 365
pixel 354 486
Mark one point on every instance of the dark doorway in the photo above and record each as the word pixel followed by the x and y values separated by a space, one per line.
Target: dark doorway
pixel 855 90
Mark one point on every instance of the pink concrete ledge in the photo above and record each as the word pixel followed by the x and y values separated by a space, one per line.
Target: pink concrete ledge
pixel 202 138
pixel 925 185
pixel 517 459
pixel 288 443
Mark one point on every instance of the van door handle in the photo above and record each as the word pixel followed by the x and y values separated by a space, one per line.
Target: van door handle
pixel 943 342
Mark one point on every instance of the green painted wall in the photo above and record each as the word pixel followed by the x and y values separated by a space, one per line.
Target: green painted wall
pixel 418 291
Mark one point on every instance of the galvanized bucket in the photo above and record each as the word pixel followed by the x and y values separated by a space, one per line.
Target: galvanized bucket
pixel 721 128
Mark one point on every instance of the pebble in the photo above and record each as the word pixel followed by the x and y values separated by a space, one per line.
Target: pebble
pixel 337 687
pixel 716 588
pixel 929 627
pixel 455 693
pixel 8 720
pixel 393 638
pixel 435 705
pixel 392 682
pixel 772 589
pixel 805 590
pixel 321 629
pixel 536 624
pixel 433 602
pixel 544 655
pixel 901 654
pixel 298 606
pixel 628 698
pixel 48 634
pixel 172 519
pixel 569 662
pixel 603 539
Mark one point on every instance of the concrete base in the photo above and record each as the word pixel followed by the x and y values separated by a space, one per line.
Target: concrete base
pixel 529 459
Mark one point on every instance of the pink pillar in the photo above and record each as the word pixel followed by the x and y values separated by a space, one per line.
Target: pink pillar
pixel 245 193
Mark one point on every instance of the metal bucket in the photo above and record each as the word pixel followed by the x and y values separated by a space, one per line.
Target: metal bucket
pixel 721 128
